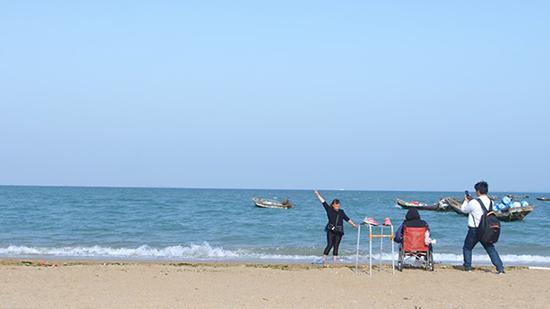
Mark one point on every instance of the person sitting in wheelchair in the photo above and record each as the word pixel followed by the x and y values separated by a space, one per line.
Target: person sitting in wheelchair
pixel 412 219
pixel 414 239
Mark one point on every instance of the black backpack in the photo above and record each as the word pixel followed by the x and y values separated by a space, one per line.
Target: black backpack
pixel 488 231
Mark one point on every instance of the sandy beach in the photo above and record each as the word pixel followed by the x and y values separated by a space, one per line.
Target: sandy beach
pixel 55 284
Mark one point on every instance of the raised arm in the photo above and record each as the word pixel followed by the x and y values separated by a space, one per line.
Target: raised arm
pixel 319 197
pixel 466 205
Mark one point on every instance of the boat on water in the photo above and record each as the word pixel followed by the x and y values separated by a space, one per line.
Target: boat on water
pixel 267 203
pixel 419 205
pixel 510 214
pixel 514 214
pixel 543 199
pixel 454 204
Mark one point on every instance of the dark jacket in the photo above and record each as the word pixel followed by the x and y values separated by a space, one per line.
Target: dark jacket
pixel 412 219
pixel 333 215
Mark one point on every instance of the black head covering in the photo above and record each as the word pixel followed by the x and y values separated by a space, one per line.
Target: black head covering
pixel 412 214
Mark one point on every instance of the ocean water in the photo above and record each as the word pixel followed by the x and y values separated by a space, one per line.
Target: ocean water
pixel 224 225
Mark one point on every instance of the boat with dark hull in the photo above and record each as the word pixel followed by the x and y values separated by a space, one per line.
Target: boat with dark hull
pixel 266 203
pixel 514 214
pixel 543 199
pixel 454 204
pixel 511 214
pixel 420 205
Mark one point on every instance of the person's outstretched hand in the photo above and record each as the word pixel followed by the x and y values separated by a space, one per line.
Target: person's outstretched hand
pixel 319 197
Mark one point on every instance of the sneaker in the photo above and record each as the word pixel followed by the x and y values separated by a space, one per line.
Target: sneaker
pixel 468 269
pixel 387 222
pixel 371 221
pixel 501 272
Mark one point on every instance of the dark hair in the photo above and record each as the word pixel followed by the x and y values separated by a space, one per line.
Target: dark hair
pixel 482 187
pixel 335 201
pixel 412 214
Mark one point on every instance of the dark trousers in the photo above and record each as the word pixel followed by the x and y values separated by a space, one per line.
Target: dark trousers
pixel 470 242
pixel 333 241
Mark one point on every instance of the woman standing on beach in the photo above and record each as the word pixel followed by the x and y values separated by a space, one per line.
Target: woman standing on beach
pixel 334 227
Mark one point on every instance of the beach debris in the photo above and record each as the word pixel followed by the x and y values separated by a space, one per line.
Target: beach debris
pixel 39 264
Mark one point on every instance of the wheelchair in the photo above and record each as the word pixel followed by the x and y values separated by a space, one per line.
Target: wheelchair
pixel 414 247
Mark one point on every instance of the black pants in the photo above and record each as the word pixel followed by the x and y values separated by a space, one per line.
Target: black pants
pixel 333 240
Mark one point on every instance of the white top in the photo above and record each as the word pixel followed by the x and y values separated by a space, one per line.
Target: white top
pixel 474 211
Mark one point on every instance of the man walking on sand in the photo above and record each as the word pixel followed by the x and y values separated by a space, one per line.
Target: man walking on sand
pixel 473 208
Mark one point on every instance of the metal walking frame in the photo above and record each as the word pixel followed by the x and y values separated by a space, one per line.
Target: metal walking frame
pixel 381 235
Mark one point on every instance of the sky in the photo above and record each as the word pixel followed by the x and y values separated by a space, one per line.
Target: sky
pixel 364 95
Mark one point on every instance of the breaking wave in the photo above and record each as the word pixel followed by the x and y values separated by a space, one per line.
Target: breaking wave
pixel 206 252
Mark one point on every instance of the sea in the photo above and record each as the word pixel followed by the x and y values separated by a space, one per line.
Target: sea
pixel 223 225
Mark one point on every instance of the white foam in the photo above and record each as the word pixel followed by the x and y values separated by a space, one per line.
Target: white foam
pixel 192 251
pixel 205 251
pixel 457 258
pixel 539 268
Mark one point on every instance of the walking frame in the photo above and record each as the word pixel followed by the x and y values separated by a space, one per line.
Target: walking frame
pixel 380 235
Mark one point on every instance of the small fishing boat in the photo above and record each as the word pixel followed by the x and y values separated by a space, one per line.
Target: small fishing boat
pixel 544 199
pixel 514 214
pixel 266 203
pixel 511 214
pixel 419 205
pixel 454 204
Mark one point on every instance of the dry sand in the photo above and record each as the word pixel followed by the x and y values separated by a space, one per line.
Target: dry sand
pixel 148 285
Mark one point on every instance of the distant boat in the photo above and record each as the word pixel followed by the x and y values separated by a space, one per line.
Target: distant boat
pixel 266 203
pixel 511 214
pixel 420 205
pixel 544 199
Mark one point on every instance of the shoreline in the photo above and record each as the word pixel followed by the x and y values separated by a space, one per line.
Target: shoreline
pixel 349 261
pixel 38 262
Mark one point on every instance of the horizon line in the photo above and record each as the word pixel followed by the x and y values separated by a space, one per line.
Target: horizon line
pixel 241 188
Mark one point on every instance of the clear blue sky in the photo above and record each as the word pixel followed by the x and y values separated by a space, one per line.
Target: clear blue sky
pixel 427 95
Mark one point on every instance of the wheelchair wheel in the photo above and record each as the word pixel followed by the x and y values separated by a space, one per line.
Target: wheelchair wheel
pixel 400 259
